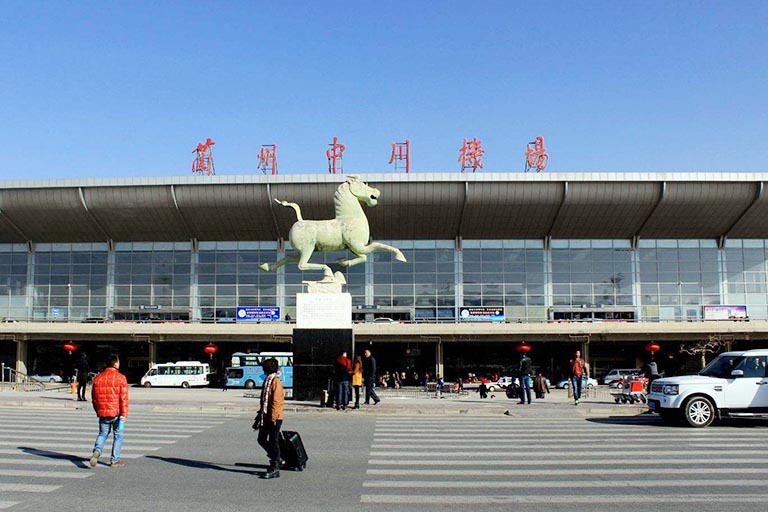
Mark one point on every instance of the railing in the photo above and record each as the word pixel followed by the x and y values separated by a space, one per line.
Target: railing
pixel 11 380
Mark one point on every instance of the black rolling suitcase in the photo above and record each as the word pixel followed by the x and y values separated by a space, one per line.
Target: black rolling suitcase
pixel 292 451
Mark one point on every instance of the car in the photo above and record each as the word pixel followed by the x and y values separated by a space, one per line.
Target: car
pixel 383 320
pixel 45 377
pixel 502 383
pixel 618 375
pixel 566 383
pixel 734 384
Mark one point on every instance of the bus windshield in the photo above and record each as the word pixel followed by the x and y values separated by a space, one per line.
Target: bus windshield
pixel 245 370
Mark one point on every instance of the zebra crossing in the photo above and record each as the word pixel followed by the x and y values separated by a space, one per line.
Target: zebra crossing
pixel 42 449
pixel 526 463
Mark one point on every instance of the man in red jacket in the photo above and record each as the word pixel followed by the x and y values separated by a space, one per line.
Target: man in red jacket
pixel 110 401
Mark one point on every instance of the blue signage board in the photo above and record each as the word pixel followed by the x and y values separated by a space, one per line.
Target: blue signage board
pixel 258 314
pixel 481 314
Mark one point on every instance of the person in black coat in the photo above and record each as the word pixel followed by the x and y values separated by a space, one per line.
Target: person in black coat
pixel 82 376
pixel 369 378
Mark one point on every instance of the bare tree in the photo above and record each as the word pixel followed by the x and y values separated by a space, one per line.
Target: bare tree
pixel 711 345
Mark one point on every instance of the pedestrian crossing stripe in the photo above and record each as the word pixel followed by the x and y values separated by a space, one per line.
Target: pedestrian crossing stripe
pixel 636 471
pixel 569 484
pixel 559 461
pixel 571 499
pixel 43 474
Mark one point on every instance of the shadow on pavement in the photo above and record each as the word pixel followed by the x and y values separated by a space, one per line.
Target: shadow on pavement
pixel 640 419
pixel 210 465
pixel 74 459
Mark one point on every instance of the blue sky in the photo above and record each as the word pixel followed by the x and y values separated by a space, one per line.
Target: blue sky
pixel 121 89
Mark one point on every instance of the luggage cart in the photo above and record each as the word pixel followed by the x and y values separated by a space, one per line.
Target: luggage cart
pixel 634 390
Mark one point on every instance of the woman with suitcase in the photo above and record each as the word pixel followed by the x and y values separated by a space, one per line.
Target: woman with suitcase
pixel 271 412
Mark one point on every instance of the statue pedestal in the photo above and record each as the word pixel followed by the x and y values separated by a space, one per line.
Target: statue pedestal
pixel 323 330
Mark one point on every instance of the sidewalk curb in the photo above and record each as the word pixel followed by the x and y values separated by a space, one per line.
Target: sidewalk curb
pixel 390 409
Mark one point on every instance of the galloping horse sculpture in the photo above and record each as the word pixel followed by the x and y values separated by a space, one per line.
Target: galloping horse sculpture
pixel 348 229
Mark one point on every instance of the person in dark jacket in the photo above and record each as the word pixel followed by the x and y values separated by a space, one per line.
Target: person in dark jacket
pixel 109 397
pixel 369 378
pixel 525 379
pixel 483 390
pixel 82 376
pixel 343 374
pixel 540 386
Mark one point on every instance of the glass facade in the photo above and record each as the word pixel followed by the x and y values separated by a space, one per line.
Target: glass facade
pixel 228 276
pixel 677 277
pixel 426 282
pixel 509 273
pixel 658 280
pixel 13 281
pixel 70 281
pixel 152 276
pixel 590 272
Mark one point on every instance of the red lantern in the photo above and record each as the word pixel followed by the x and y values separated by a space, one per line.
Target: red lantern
pixel 70 347
pixel 210 349
pixel 523 348
pixel 652 347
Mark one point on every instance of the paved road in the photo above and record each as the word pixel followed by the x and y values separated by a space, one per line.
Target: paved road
pixel 534 459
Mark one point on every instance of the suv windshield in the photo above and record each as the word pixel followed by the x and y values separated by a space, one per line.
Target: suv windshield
pixel 722 366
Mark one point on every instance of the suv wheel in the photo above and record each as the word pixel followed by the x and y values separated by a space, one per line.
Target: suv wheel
pixel 699 412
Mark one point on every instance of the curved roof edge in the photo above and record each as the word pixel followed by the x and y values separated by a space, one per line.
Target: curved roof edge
pixel 392 177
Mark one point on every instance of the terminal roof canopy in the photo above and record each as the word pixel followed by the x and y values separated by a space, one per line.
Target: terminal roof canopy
pixel 438 206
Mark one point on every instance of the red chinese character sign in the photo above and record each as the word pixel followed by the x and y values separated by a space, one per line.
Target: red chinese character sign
pixel 536 157
pixel 334 154
pixel 268 159
pixel 203 162
pixel 401 151
pixel 471 155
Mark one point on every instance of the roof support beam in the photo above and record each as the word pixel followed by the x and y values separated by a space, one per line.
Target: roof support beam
pixel 636 236
pixel 463 209
pixel 184 223
pixel 90 214
pixel 271 202
pixel 758 196
pixel 16 228
pixel 548 236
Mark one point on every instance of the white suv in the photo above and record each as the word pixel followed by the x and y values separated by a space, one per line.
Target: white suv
pixel 734 384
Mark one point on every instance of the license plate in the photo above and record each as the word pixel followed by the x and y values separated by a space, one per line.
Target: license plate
pixel 652 405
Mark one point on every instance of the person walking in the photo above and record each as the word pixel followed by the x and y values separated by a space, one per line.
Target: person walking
pixel 540 386
pixel 483 390
pixel 357 379
pixel 369 377
pixel 272 408
pixel 578 371
pixel 343 373
pixel 525 379
pixel 109 396
pixel 82 376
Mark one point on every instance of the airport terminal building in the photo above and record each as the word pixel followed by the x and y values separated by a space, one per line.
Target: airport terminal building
pixel 155 268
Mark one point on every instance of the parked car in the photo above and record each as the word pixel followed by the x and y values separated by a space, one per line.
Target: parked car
pixel 45 377
pixel 618 374
pixel 566 383
pixel 734 384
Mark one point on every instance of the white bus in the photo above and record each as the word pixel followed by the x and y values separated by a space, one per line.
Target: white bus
pixel 181 373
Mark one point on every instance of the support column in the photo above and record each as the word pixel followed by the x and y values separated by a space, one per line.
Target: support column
pixel 439 359
pixel 152 352
pixel 21 357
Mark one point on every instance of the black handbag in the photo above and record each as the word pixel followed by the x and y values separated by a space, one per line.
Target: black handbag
pixel 258 421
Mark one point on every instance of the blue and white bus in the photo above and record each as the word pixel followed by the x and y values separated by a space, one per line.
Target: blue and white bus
pixel 246 371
